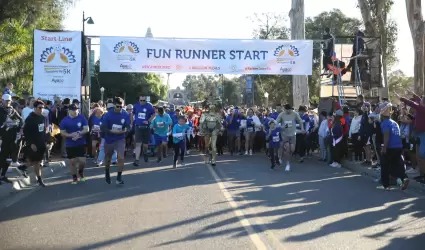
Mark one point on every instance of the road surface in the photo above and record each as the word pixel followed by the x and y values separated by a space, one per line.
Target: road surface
pixel 240 204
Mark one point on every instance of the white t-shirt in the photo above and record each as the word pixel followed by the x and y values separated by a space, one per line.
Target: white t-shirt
pixel 26 112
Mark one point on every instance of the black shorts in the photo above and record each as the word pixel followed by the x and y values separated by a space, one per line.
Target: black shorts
pixel 36 156
pixel 143 134
pixel 76 152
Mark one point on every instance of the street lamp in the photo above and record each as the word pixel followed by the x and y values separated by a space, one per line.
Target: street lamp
pixel 89 20
pixel 266 95
pixel 241 98
pixel 102 90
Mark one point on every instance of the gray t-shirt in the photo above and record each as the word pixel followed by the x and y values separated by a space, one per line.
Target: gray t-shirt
pixel 288 121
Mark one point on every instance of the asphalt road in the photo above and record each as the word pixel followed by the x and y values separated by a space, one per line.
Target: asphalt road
pixel 241 204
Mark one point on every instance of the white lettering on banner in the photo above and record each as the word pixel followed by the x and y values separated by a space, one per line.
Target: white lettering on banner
pixel 57 64
pixel 220 56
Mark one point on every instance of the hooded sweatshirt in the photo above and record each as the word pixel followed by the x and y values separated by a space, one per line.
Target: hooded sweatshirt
pixel 35 129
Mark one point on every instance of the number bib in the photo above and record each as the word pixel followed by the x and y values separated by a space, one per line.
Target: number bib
pixel 250 129
pixel 288 124
pixel 141 116
pixel 41 127
pixel 96 128
pixel 276 138
pixel 116 127
pixel 160 124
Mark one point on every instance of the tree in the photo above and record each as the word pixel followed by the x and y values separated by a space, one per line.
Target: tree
pixel 128 85
pixel 198 88
pixel 18 19
pixel 417 29
pixel 377 23
pixel 399 83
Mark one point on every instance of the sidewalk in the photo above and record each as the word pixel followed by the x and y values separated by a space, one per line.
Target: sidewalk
pixel 375 174
pixel 21 184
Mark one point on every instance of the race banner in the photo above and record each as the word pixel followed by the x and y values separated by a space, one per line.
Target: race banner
pixel 219 56
pixel 57 64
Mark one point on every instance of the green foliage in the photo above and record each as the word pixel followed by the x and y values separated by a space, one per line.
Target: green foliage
pixel 128 85
pixel 199 87
pixel 18 19
pixel 399 83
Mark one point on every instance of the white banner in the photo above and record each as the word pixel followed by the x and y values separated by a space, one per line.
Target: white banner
pixel 264 57
pixel 57 64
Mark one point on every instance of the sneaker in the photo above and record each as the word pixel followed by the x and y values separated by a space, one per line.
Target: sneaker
pixel 145 157
pixel 99 164
pixel 82 178
pixel 23 170
pixel 333 164
pixel 380 187
pixel 107 177
pixel 159 160
pixel 288 168
pixel 15 164
pixel 250 152
pixel 74 181
pixel 5 179
pixel 164 155
pixel 412 171
pixel 337 165
pixel 119 182
pixel 174 165
pixel 182 163
pixel 272 167
pixel 136 163
pixel 40 182
pixel 188 152
pixel 246 152
pixel 301 160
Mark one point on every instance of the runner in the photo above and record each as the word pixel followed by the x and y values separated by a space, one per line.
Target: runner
pixel 179 140
pixel 35 139
pixel 161 126
pixel 74 128
pixel 115 124
pixel 273 138
pixel 288 118
pixel 143 113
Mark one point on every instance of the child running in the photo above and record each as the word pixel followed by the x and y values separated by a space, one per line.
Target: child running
pixel 179 142
pixel 274 139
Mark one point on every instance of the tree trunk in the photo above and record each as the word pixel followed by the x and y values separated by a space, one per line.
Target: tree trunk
pixel 299 83
pixel 416 24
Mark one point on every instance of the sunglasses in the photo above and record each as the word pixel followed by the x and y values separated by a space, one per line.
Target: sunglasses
pixel 142 100
pixel 118 107
pixel 40 107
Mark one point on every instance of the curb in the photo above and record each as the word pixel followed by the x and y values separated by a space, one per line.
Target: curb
pixel 366 171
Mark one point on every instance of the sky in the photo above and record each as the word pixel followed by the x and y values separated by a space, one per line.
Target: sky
pixel 210 19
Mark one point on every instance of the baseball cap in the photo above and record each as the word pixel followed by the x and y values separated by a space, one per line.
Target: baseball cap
pixel 129 106
pixel 287 106
pixel 73 107
pixel 66 101
pixel 6 97
pixel 339 113
pixel 75 101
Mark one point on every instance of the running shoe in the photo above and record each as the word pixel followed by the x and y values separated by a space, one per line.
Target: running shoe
pixel 74 181
pixel 82 178
pixel 136 163
pixel 119 182
pixel 40 182
pixel 145 157
pixel 107 178
pixel 380 187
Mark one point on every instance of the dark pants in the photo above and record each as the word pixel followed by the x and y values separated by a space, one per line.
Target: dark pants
pixel 300 145
pixel 392 162
pixel 231 138
pixel 338 152
pixel 274 156
pixel 179 150
pixel 221 141
pixel 357 147
pixel 9 149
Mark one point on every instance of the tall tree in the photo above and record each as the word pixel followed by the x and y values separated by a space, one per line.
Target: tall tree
pixel 398 82
pixel 417 29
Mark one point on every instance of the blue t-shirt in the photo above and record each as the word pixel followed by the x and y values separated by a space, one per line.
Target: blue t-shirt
pixel 116 121
pixel 250 125
pixel 306 122
pixel 274 115
pixel 179 129
pixel 72 125
pixel 161 124
pixel 393 128
pixel 236 123
pixel 265 123
pixel 142 113
pixel 274 139
pixel 174 117
pixel 95 123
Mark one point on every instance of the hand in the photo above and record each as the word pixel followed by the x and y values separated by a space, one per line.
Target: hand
pixel 34 147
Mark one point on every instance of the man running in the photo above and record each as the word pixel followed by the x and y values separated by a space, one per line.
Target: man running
pixel 74 128
pixel 287 120
pixel 143 114
pixel 115 124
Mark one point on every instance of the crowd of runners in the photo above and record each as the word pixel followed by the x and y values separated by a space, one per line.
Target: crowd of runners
pixel 385 136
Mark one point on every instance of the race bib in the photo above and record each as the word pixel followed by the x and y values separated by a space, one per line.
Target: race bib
pixel 141 116
pixel 276 138
pixel 96 128
pixel 250 129
pixel 178 135
pixel 116 127
pixel 288 124
pixel 41 127
pixel 160 124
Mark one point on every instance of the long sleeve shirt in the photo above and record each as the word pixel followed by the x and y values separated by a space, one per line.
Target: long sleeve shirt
pixel 355 125
pixel 420 114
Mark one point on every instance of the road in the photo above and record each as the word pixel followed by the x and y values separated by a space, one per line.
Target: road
pixel 241 204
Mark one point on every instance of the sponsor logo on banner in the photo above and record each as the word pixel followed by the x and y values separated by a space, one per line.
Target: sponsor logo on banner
pixel 156 67
pixel 208 68
pixel 234 68
pixel 286 53
pixel 57 64
pixel 285 70
pixel 56 60
pixel 179 67
pixel 262 68
pixel 126 51
pixel 126 66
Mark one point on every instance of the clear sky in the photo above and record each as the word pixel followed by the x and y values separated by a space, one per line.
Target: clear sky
pixel 210 19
